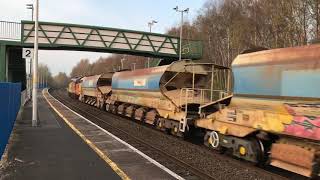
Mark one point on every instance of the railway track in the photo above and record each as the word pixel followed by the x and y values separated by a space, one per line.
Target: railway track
pixel 171 161
pixel 181 168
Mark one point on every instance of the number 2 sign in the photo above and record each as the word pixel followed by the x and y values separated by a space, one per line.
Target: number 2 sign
pixel 27 53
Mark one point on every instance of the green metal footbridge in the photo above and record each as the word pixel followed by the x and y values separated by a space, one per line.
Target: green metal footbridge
pixel 61 36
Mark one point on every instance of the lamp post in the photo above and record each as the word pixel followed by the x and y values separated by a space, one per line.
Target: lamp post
pixel 30 6
pixel 150 24
pixel 46 80
pixel 35 68
pixel 121 61
pixel 134 66
pixel 181 11
pixel 41 79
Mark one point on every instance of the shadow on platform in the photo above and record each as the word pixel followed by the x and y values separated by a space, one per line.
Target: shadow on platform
pixel 50 151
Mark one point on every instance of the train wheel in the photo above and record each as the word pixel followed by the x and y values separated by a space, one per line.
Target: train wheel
pixel 160 124
pixel 114 109
pixel 174 130
pixel 97 104
pixel 121 109
pixel 259 148
pixel 102 106
pixel 139 114
pixel 108 107
pixel 151 117
pixel 129 111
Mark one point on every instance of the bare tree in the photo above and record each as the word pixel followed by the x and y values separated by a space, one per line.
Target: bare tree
pixel 61 80
pixel 228 27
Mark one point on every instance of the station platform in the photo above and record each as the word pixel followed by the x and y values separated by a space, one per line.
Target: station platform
pixel 67 146
pixel 50 151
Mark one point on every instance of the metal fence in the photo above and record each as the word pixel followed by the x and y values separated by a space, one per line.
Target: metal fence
pixel 10 31
pixel 10 103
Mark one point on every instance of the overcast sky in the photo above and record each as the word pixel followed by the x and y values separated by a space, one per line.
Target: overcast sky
pixel 126 14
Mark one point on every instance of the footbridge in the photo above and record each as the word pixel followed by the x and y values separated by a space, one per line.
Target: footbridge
pixel 93 38
pixel 62 36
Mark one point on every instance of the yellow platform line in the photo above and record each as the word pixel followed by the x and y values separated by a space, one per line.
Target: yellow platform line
pixel 113 165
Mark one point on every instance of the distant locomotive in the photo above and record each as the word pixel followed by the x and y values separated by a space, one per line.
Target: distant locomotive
pixel 271 116
pixel 74 87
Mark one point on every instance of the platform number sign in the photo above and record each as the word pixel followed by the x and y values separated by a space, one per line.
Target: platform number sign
pixel 27 53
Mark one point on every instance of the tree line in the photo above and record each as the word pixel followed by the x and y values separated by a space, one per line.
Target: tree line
pixel 60 80
pixel 111 63
pixel 228 27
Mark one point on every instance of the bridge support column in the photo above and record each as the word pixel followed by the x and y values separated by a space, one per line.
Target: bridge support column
pixel 3 62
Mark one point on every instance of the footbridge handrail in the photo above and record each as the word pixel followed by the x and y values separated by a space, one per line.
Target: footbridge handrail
pixel 10 31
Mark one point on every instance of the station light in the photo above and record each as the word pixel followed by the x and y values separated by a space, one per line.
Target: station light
pixel 30 6
pixel 150 24
pixel 181 26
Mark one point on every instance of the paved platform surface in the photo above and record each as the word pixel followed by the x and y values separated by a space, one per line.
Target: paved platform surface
pixel 129 162
pixel 50 151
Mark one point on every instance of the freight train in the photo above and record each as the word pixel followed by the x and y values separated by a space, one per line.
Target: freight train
pixel 265 109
